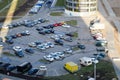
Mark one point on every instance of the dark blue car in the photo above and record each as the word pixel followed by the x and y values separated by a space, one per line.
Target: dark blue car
pixel 29 50
pixel 19 53
pixel 11 67
pixel 32 71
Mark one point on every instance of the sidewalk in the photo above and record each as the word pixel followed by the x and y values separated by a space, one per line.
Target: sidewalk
pixel 113 52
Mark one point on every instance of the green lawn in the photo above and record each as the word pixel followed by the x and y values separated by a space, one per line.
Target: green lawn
pixel 60 3
pixel 7 53
pixel 4 13
pixel 105 71
pixel 71 22
pixel 4 3
pixel 56 13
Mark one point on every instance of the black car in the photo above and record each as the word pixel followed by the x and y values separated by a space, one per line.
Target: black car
pixel 59 41
pixel 19 53
pixel 9 41
pixel 70 34
pixel 42 32
pixel 48 27
pixel 1 62
pixel 32 71
pixel 13 36
pixel 39 29
pixel 69 39
pixel 11 68
pixel 3 66
pixel 42 20
pixel 49 31
pixel 81 46
pixel 8 37
pixel 38 42
pixel 29 50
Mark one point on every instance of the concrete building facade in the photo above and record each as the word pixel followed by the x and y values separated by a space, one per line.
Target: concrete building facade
pixel 80 7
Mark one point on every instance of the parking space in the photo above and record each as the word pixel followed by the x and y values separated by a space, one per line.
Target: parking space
pixel 37 58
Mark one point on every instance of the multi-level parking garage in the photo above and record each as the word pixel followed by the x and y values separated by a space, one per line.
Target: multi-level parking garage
pixel 80 7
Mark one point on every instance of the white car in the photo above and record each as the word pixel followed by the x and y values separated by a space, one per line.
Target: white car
pixel 32 44
pixel 45 45
pixel 49 58
pixel 41 47
pixel 65 25
pixel 69 51
pixel 60 54
pixel 55 56
pixel 17 48
pixel 43 67
pixel 27 32
pixel 50 44
pixel 55 37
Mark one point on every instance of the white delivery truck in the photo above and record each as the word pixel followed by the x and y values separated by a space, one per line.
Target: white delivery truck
pixel 42 71
pixel 96 26
pixel 86 61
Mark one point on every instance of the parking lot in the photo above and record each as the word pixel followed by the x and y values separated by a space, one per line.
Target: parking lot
pixel 55 68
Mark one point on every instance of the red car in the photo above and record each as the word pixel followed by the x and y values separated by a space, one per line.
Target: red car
pixel 18 35
pixel 57 24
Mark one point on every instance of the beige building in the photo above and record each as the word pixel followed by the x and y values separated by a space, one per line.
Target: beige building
pixel 80 7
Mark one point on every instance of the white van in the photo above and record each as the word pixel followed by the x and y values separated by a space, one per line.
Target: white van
pixel 86 61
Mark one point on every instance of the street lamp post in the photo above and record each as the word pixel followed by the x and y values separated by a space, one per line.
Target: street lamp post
pixel 94 71
pixel 95 62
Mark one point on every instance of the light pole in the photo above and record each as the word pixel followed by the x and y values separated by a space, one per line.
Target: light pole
pixel 94 71
pixel 95 62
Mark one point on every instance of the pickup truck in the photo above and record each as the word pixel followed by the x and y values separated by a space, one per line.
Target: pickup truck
pixel 42 71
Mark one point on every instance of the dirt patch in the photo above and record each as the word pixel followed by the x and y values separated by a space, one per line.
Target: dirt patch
pixel 117 11
pixel 23 9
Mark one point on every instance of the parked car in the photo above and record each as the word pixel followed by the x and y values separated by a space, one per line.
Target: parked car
pixel 17 48
pixel 66 26
pixel 19 53
pixel 50 44
pixel 81 46
pixel 60 54
pixel 71 34
pixel 9 41
pixel 4 66
pixel 71 67
pixel 42 71
pixel 39 29
pixel 100 44
pixel 100 49
pixel 41 47
pixel 18 34
pixel 13 36
pixel 25 33
pixel 24 67
pixel 49 58
pixel 69 39
pixel 86 61
pixel 57 24
pixel 59 41
pixel 38 42
pixel 68 50
pixel 11 68
pixel 32 44
pixel 42 32
pixel 29 50
pixel 55 37
pixel 32 71
pixel 55 56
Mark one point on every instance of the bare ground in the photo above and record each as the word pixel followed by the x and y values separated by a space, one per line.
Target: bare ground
pixel 115 4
